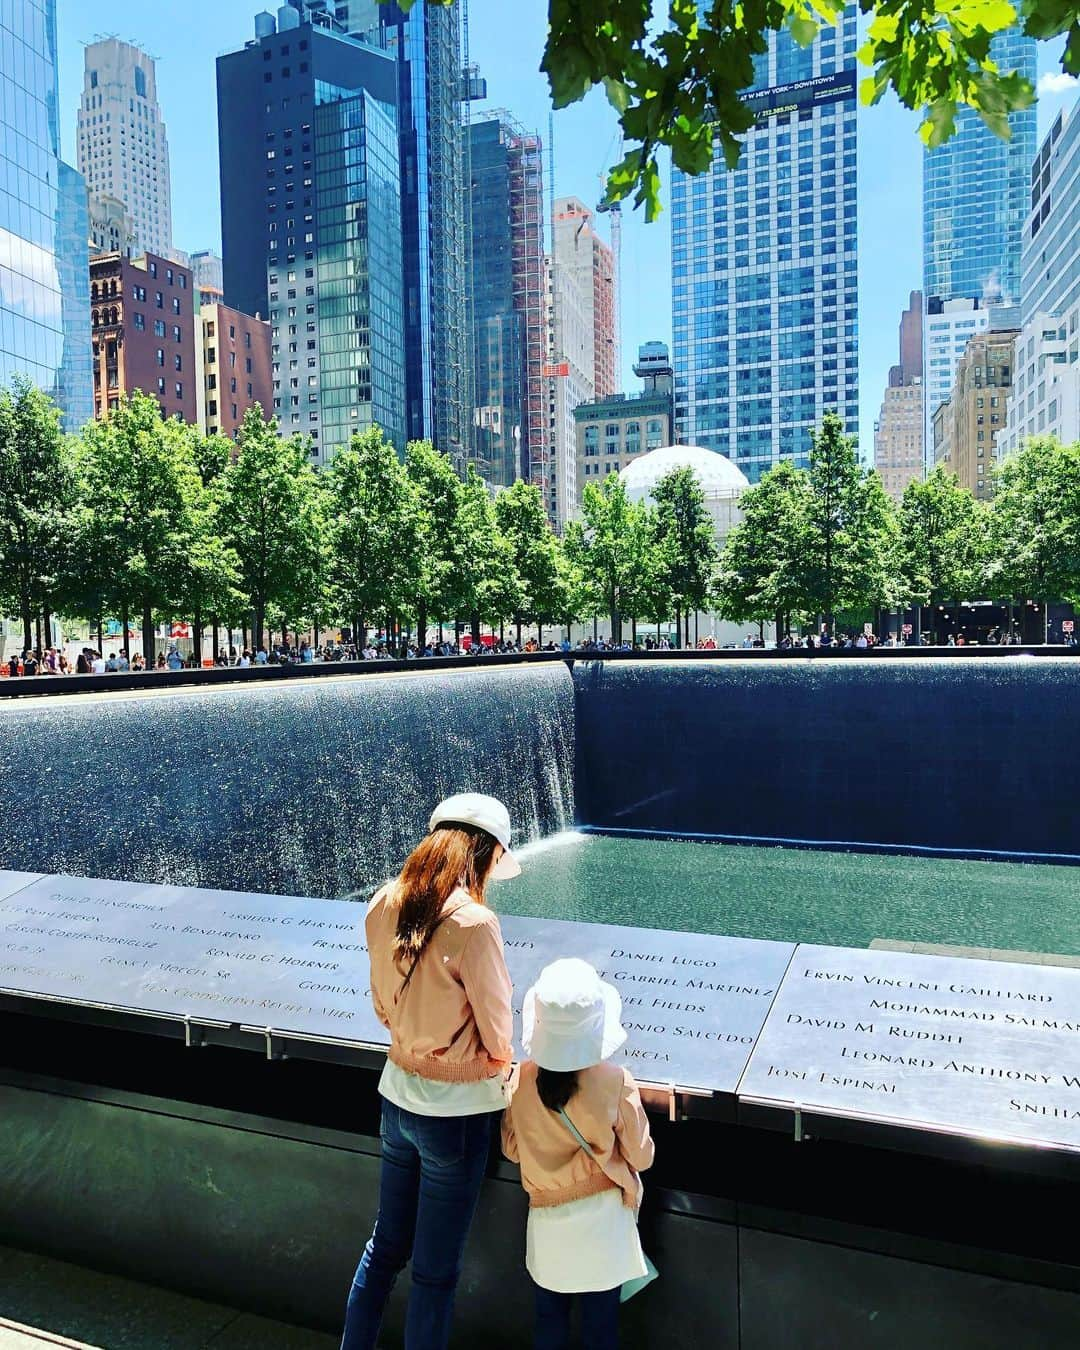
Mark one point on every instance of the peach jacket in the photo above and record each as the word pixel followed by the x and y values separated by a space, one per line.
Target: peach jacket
pixel 453 1023
pixel 606 1108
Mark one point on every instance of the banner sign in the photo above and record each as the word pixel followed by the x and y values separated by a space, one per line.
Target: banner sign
pixel 786 98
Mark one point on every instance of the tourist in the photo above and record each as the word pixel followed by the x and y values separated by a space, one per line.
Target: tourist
pixel 97 663
pixel 577 1127
pixel 159 664
pixel 138 662
pixel 174 660
pixel 122 662
pixel 244 661
pixel 439 984
pixel 110 663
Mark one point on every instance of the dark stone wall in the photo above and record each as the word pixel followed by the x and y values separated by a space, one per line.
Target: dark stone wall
pixel 316 787
pixel 977 756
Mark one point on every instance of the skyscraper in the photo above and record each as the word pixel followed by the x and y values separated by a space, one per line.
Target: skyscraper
pixel 1046 386
pixel 975 200
pixel 123 148
pixel 583 252
pixel 311 223
pixel 507 212
pixel 44 223
pixel 898 434
pixel 765 295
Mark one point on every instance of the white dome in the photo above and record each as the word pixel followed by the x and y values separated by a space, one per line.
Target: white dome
pixel 715 472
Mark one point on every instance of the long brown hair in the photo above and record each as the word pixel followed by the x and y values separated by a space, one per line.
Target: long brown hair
pixel 554 1088
pixel 451 856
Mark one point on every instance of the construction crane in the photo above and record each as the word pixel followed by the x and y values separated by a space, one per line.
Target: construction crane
pixel 614 210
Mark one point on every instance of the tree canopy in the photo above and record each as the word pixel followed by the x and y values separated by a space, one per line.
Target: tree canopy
pixel 681 83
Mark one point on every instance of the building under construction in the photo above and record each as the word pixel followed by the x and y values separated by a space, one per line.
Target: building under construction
pixel 508 327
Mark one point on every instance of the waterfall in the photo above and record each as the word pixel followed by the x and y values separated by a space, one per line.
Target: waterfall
pixel 305 787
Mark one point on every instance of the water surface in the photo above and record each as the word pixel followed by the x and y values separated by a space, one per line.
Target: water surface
pixel 796 895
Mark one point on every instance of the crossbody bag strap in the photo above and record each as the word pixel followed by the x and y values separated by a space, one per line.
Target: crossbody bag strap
pixel 583 1143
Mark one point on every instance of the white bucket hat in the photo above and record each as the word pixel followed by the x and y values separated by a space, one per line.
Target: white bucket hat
pixel 571 1017
pixel 486 813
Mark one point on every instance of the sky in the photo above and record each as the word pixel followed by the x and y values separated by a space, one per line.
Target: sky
pixel 186 36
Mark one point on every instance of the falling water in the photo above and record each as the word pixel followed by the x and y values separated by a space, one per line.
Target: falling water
pixel 310 787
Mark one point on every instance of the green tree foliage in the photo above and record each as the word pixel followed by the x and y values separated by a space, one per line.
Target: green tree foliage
pixel 614 551
pixel 520 516
pixel 141 491
pixel 273 520
pixel 848 543
pixel 490 588
pixel 760 576
pixel 37 491
pixel 680 83
pixel 1035 524
pixel 375 535
pixel 942 536
pixel 439 494
pixel 683 542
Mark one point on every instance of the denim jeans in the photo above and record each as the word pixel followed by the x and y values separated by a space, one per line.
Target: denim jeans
pixel 432 1170
pixel 599 1319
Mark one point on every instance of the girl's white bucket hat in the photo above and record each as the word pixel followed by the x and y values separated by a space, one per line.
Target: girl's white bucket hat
pixel 571 1017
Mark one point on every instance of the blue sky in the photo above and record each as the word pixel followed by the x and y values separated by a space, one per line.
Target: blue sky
pixel 187 35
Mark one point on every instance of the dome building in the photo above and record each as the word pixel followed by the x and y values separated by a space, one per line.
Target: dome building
pixel 723 484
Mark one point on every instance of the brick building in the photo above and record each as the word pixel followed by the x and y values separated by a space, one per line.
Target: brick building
pixel 967 427
pixel 143 323
pixel 236 367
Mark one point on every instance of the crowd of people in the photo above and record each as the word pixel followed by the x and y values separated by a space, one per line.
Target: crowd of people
pixel 91 661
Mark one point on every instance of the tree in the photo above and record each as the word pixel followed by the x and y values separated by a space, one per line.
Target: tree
pixel 36 495
pixel 523 522
pixel 848 528
pixel 491 590
pixel 942 531
pixel 141 490
pixel 1035 524
pixel 375 533
pixel 614 550
pixel 684 541
pixel 683 83
pixel 439 494
pixel 760 575
pixel 212 577
pixel 272 519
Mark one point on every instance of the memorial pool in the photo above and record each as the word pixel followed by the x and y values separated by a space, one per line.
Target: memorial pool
pixel 798 895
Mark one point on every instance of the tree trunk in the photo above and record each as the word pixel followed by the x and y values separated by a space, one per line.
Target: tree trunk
pixel 215 649
pixel 196 636
pixel 100 631
pixel 260 617
pixel 540 632
pixel 37 631
pixel 475 626
pixel 421 625
pixel 46 623
pixel 125 623
pixel 779 617
pixel 519 631
pixel 148 633
pixel 1046 621
pixel 633 631
pixel 27 621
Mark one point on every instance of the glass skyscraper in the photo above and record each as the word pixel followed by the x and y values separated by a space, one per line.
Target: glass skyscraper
pixel 44 267
pixel 765 290
pixel 976 191
pixel 311 223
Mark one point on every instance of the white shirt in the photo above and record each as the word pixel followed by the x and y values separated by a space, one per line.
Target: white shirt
pixel 584 1246
pixel 98 665
pixel 425 1097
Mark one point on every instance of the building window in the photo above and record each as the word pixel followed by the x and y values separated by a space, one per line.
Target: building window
pixel 159 327
pixel 139 321
pixel 179 390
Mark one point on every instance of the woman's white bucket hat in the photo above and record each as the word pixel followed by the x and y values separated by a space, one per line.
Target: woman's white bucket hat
pixel 486 813
pixel 571 1017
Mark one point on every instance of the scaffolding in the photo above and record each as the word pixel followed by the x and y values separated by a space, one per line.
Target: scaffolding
pixel 526 165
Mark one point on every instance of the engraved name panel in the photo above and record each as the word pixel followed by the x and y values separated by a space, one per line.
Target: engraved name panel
pixel 10 882
pixel 692 1004
pixel 982 1048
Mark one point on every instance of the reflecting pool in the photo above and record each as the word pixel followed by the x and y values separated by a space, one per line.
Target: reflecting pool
pixel 796 895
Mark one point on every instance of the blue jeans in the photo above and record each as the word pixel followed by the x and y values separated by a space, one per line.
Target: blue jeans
pixel 599 1319
pixel 432 1170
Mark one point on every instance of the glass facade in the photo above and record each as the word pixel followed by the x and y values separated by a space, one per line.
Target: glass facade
pixel 975 197
pixel 359 273
pixel 764 268
pixel 44 278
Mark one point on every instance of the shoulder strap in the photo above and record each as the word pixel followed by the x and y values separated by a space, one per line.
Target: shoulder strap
pixel 583 1143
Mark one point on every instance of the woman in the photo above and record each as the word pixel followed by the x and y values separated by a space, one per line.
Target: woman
pixel 439 984
pixel 577 1127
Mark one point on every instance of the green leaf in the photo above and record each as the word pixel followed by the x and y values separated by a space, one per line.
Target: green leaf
pixel 618 94
pixel 804 31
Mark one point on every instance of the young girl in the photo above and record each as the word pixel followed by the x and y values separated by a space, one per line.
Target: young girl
pixel 439 984
pixel 582 1235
